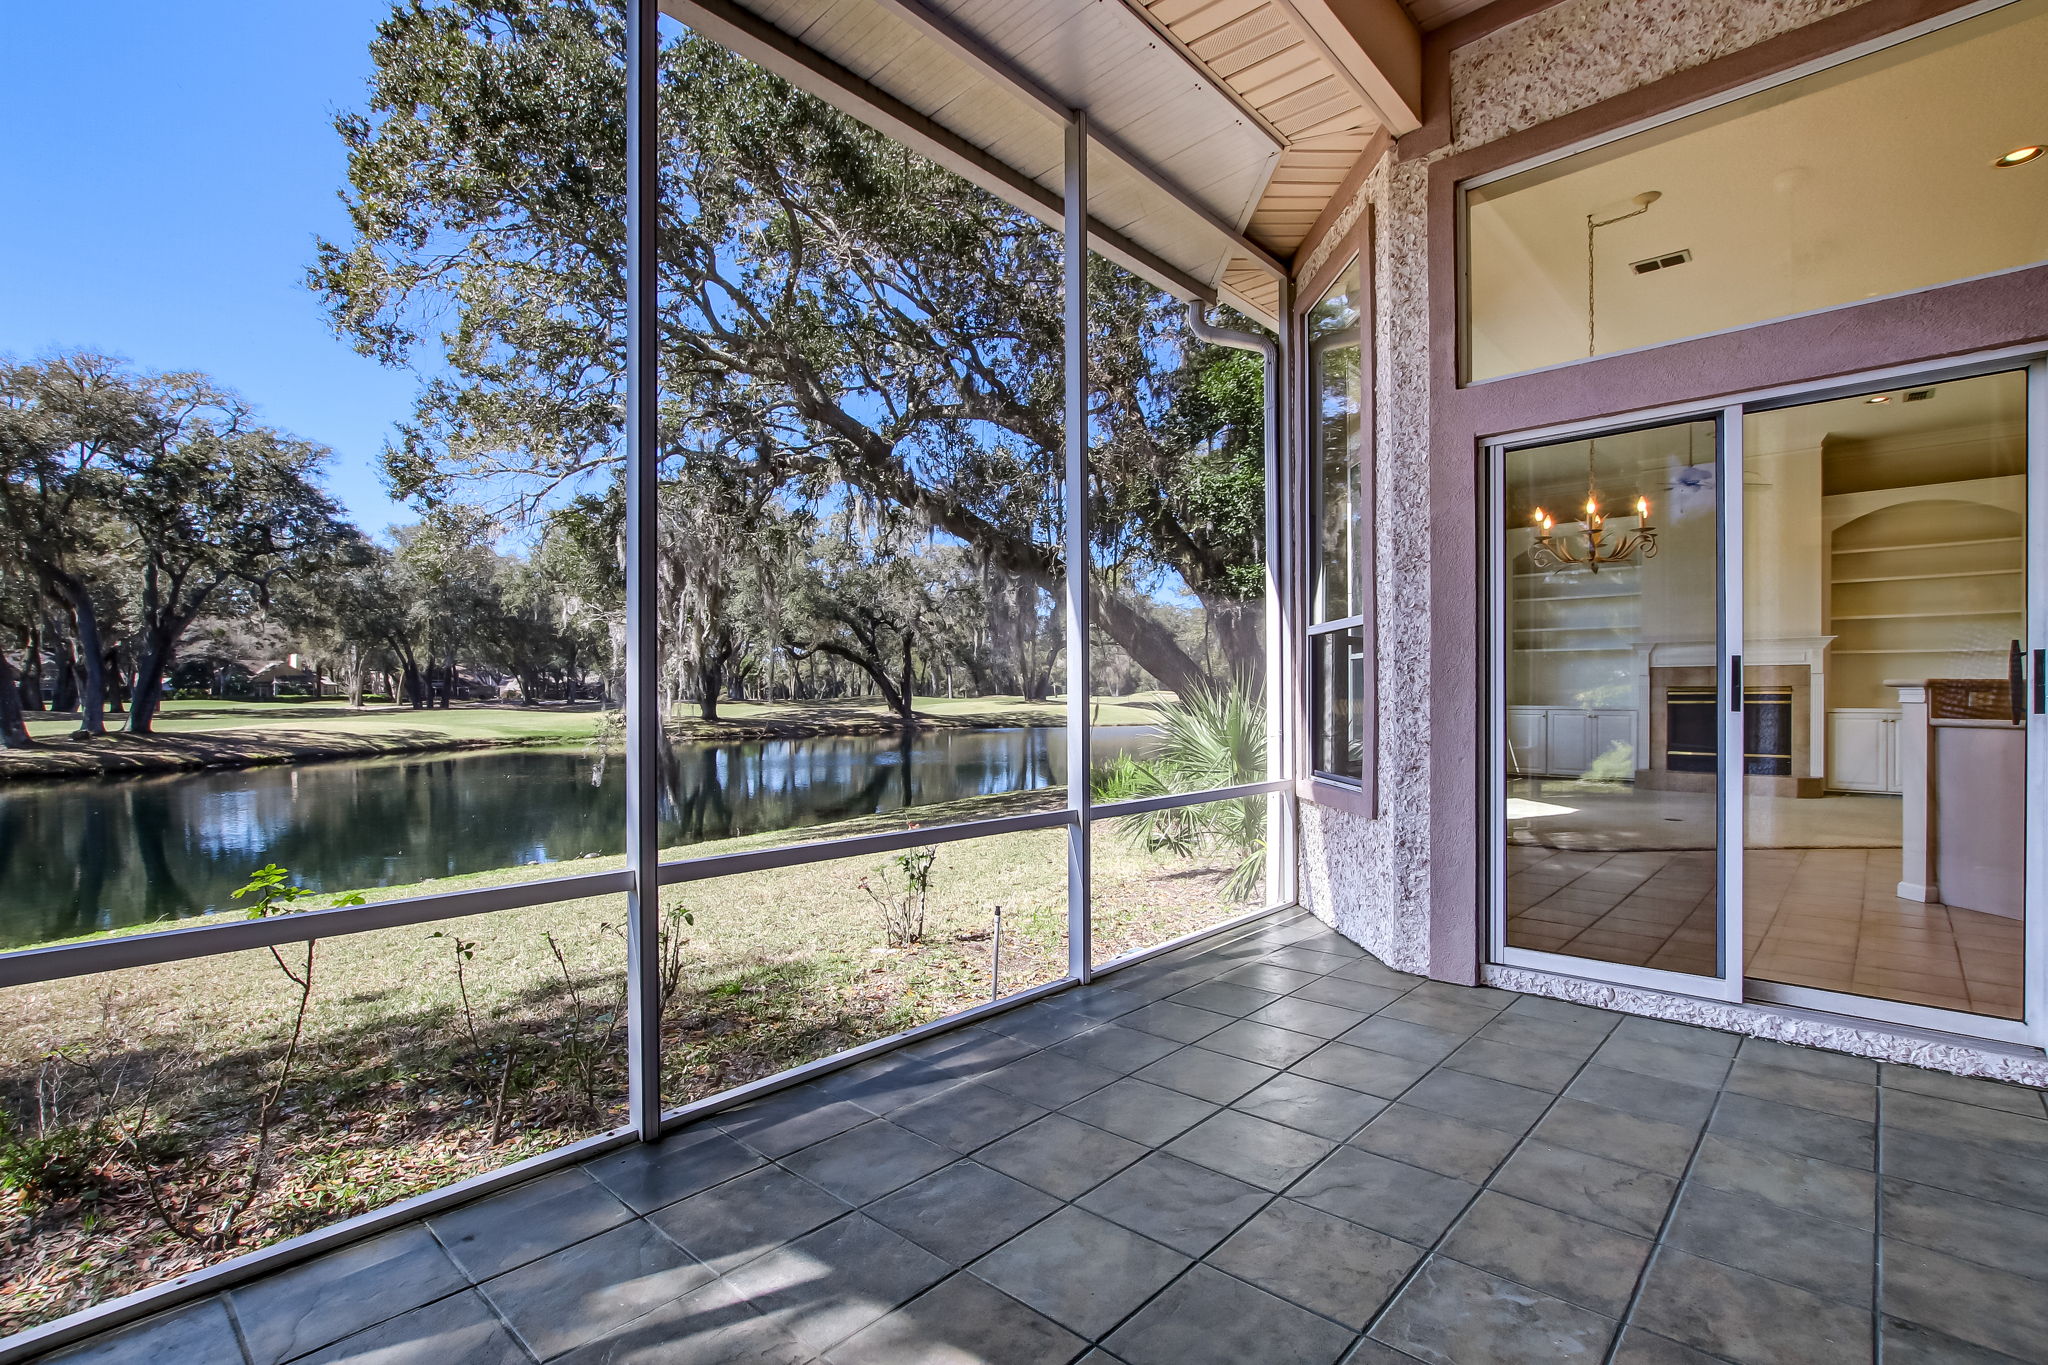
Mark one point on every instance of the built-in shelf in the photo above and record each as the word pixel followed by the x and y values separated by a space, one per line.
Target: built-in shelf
pixel 1929 545
pixel 1615 567
pixel 1578 597
pixel 1927 615
pixel 1574 649
pixel 1569 630
pixel 1921 577
pixel 1998 652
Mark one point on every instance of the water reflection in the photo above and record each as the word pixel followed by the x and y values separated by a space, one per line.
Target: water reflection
pixel 80 856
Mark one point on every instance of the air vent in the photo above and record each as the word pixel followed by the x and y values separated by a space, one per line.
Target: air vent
pixel 1919 395
pixel 1660 262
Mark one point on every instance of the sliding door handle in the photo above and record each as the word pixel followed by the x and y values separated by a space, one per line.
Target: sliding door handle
pixel 2016 682
pixel 1734 682
pixel 2041 682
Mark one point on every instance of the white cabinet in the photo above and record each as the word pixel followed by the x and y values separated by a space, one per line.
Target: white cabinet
pixel 1564 741
pixel 1863 750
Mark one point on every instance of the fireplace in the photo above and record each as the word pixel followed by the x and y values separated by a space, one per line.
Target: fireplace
pixel 1684 711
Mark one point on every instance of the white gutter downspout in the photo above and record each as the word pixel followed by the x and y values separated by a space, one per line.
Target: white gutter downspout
pixel 1280 860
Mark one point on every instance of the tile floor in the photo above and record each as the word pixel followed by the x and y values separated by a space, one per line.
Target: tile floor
pixel 1269 1150
pixel 1821 917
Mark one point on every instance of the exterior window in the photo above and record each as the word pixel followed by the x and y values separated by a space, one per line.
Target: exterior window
pixel 1901 170
pixel 1339 702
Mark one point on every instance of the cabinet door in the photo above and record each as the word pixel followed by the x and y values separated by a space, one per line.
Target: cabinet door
pixel 1611 728
pixel 1528 742
pixel 1861 751
pixel 1571 742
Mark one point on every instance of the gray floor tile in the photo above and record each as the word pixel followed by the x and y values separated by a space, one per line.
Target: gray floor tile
pixel 1667 1034
pixel 1350 995
pixel 648 1175
pixel 1040 1025
pixel 1745 1318
pixel 791 1119
pixel 1366 1351
pixel 1207 1075
pixel 1267 975
pixel 1437 1142
pixel 1525 1066
pixel 1401 1038
pixel 1388 1196
pixel 1141 1111
pixel 1255 1150
pixel 1800 1183
pixel 1225 998
pixel 1185 1206
pixel 1308 960
pixel 458 1328
pixel 1181 1023
pixel 728 1225
pixel 582 1292
pixel 1590 1186
pixel 1785 1085
pixel 1689 1065
pixel 1098 1002
pixel 1479 1099
pixel 1313 1106
pixel 967 1117
pixel 1578 1261
pixel 2019 1134
pixel 1638 1347
pixel 888 1083
pixel 1445 1016
pixel 200 1332
pixel 1452 1314
pixel 2002 1177
pixel 1362 1069
pixel 1048 1079
pixel 527 1222
pixel 2015 1099
pixel 1651 1097
pixel 710 1326
pixel 1326 1264
pixel 958 1320
pixel 1208 1318
pixel 1373 972
pixel 1651 1144
pixel 1824 1257
pixel 962 1211
pixel 1813 1061
pixel 828 1284
pixel 867 1162
pixel 1563 1013
pixel 1083 1272
pixel 1808 1132
pixel 1973 1229
pixel 1262 1043
pixel 1547 1035
pixel 1975 1303
pixel 308 1306
pixel 1913 1343
pixel 1060 1155
pixel 1115 1048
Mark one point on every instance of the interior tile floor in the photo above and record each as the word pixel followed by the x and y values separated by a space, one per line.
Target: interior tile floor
pixel 1264 1150
pixel 1827 918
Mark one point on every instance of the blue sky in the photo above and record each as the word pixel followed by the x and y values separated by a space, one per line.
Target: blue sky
pixel 166 169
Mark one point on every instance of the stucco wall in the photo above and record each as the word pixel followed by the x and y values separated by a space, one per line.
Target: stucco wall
pixel 1370 878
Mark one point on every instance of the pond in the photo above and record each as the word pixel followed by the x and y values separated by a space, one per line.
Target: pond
pixel 80 856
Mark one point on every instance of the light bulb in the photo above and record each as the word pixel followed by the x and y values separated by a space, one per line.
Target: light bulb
pixel 1643 509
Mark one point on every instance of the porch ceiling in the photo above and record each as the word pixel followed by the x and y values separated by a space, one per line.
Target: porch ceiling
pixel 1220 128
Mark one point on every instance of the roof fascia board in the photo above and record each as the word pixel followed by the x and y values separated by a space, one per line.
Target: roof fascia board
pixel 775 51
pixel 1378 46
pixel 970 48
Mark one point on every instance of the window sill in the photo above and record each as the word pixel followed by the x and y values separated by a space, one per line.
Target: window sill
pixel 1338 796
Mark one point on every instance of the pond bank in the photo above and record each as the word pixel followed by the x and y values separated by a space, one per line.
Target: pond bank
pixel 247 738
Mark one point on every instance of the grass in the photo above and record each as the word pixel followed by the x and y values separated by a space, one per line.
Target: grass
pixel 130 1096
pixel 206 734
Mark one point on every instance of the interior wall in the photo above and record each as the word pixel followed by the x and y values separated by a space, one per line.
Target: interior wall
pixel 1371 878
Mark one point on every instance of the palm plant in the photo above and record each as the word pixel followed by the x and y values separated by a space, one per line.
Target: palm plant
pixel 1211 737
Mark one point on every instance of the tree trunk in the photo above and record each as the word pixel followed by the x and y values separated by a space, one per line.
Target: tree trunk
pixel 909 697
pixel 149 671
pixel 88 656
pixel 31 686
pixel 13 726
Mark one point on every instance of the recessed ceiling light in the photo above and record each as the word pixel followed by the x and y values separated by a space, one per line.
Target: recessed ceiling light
pixel 1879 398
pixel 2020 156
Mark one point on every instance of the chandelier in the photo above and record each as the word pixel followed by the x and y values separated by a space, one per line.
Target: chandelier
pixel 1589 544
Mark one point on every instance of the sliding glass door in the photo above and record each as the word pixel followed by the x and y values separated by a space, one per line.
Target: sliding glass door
pixel 1610 733
pixel 1768 702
